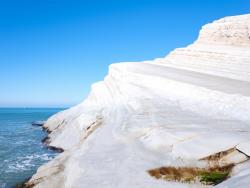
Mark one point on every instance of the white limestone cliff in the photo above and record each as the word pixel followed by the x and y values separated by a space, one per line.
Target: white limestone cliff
pixel 176 111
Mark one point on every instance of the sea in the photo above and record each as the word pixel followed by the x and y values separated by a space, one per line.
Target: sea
pixel 21 150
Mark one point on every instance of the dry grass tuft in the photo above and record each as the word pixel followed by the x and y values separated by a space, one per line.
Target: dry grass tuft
pixel 212 175
pixel 219 155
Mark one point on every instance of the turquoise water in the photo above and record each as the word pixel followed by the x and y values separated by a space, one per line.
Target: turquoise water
pixel 21 150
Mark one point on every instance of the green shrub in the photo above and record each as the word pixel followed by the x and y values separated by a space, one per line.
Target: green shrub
pixel 213 177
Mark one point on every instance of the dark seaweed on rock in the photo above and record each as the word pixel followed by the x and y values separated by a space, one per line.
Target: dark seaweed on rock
pixel 38 123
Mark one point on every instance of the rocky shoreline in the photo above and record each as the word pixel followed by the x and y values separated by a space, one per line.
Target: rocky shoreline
pixel 46 141
pixel 25 183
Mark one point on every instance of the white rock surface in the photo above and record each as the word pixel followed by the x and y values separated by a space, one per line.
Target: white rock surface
pixel 174 111
pixel 244 147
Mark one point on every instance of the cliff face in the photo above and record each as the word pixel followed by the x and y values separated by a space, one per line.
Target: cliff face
pixel 234 31
pixel 222 49
pixel 177 111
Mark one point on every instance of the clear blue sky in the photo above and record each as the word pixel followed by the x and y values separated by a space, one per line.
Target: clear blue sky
pixel 51 51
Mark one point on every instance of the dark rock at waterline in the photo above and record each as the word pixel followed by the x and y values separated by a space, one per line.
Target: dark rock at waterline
pixel 38 123
pixel 45 140
pixel 59 150
pixel 24 184
pixel 46 130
